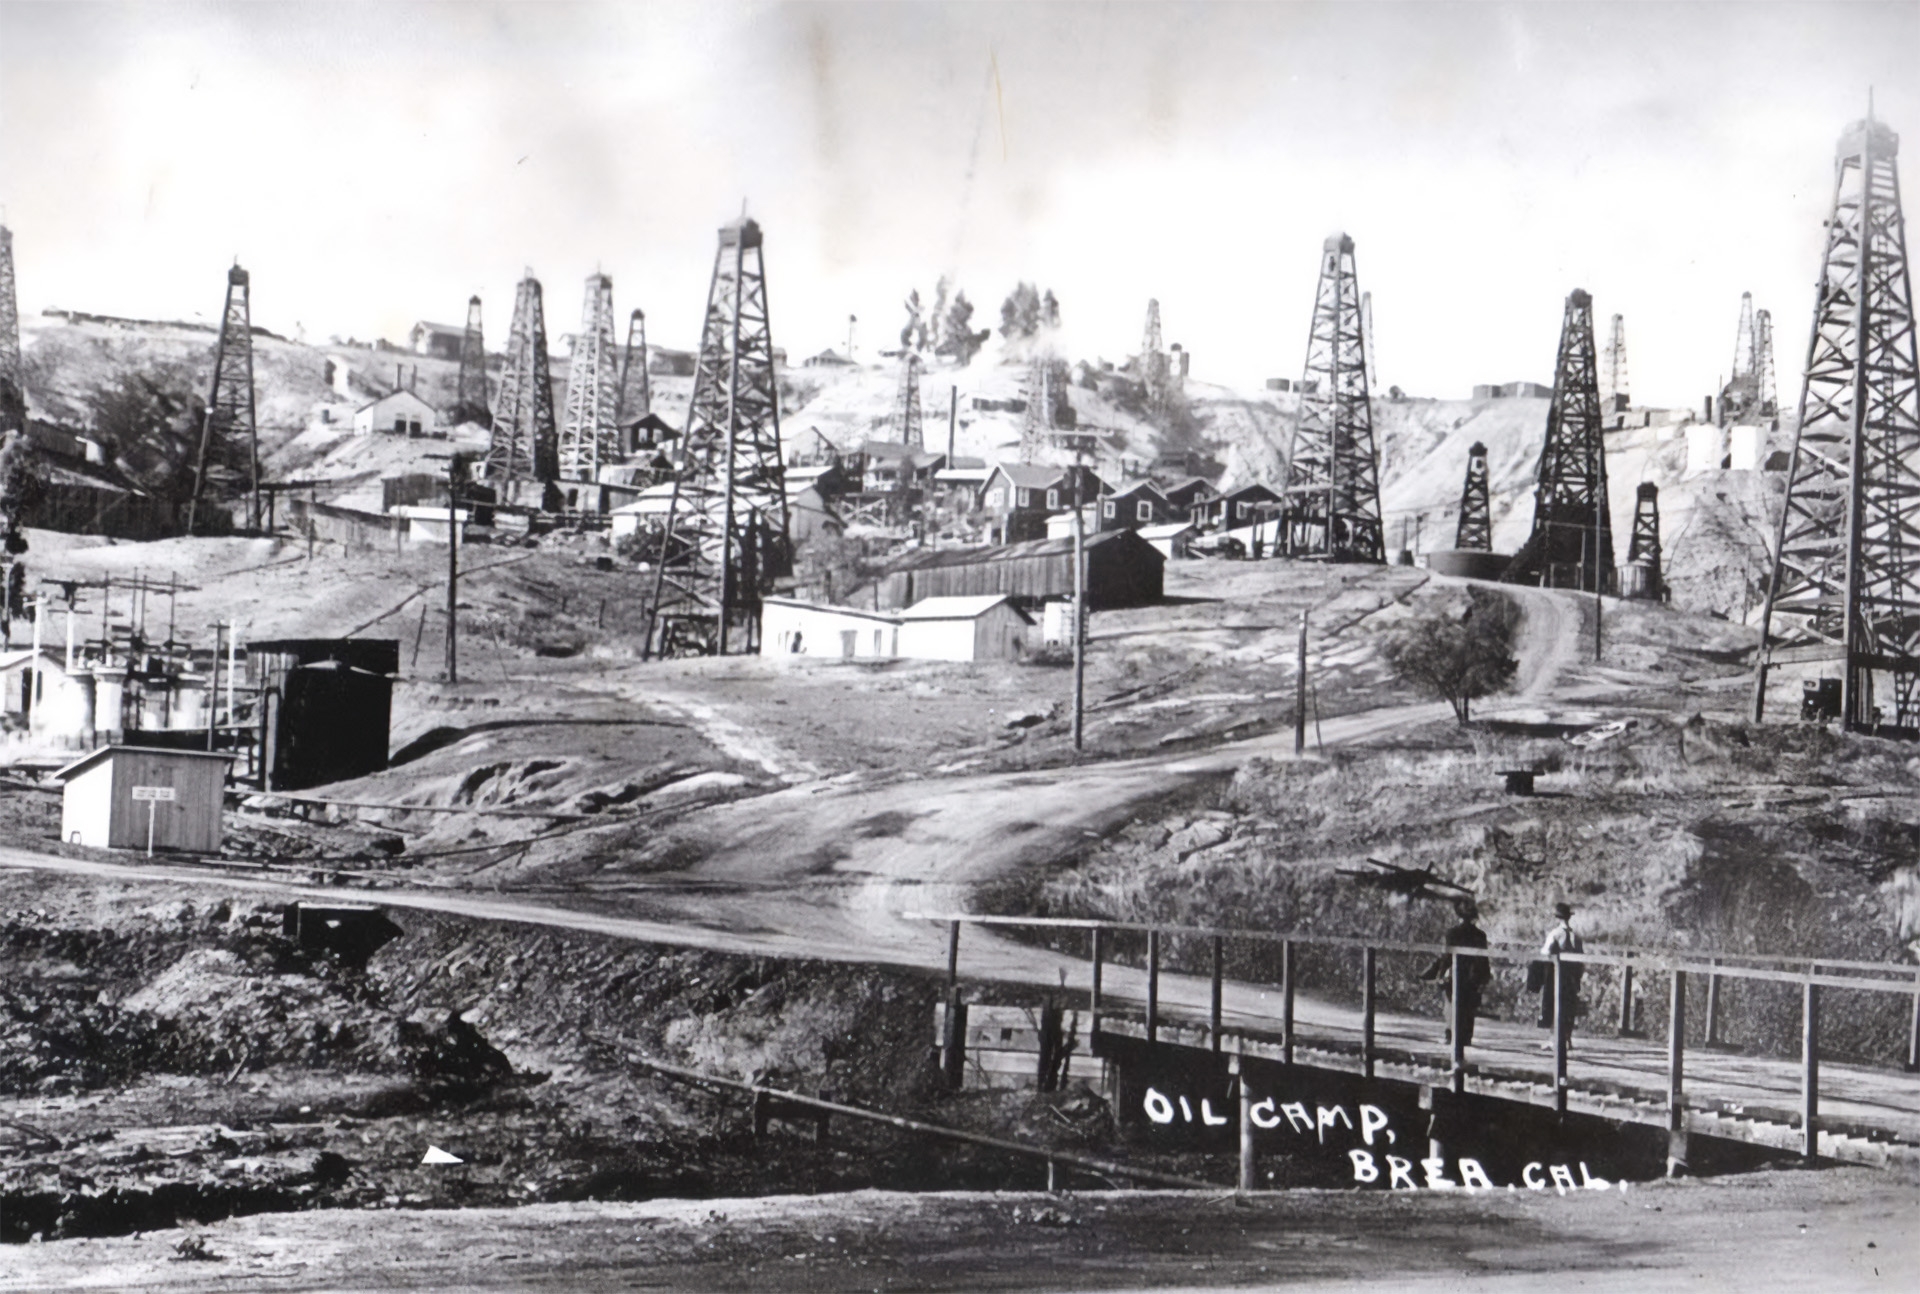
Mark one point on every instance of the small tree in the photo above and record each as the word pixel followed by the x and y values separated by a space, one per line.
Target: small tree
pixel 1459 659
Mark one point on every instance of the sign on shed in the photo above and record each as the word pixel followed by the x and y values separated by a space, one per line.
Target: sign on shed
pixel 124 797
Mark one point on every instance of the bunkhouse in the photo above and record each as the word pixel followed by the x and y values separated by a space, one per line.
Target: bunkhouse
pixel 1135 504
pixel 1123 570
pixel 1187 498
pixel 1242 507
pixel 1019 496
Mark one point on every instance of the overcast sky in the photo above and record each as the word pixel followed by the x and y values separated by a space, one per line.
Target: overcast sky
pixel 376 164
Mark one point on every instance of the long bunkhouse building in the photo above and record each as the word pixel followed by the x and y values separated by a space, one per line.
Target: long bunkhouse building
pixel 1123 570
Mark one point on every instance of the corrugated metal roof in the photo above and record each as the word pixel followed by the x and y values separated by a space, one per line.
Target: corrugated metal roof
pixel 952 608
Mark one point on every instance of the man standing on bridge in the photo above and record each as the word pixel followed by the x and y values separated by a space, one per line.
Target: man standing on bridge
pixel 1474 971
pixel 1561 939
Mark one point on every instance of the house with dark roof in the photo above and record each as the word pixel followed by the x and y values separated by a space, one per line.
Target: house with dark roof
pixel 1019 496
pixel 1242 507
pixel 1188 496
pixel 1136 504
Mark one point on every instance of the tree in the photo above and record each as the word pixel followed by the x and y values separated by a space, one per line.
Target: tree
pixel 913 336
pixel 1459 659
pixel 1020 313
pixel 958 341
pixel 148 422
pixel 22 485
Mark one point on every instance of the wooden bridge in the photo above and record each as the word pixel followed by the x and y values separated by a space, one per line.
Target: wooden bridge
pixel 1688 1082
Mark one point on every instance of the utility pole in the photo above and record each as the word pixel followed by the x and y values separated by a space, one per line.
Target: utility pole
pixel 1300 692
pixel 455 464
pixel 213 690
pixel 953 418
pixel 1079 607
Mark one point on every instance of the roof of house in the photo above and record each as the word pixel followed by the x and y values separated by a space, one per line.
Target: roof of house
pixel 1165 529
pixel 1186 483
pixel 458 330
pixel 928 558
pixel 1135 487
pixel 1030 476
pixel 411 395
pixel 87 761
pixel 885 617
pixel 21 655
pixel 969 607
pixel 1252 490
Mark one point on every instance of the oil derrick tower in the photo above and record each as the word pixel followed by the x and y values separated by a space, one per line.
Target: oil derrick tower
pixel 1475 531
pixel 524 444
pixel 906 405
pixel 1737 399
pixel 725 539
pixel 470 397
pixel 1155 372
pixel 589 436
pixel 1036 428
pixel 1572 542
pixel 227 463
pixel 1614 388
pixel 1366 336
pixel 629 402
pixel 1766 390
pixel 1643 549
pixel 1845 588
pixel 1332 494
pixel 13 397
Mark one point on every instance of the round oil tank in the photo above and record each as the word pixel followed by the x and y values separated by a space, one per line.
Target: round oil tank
pixel 1468 563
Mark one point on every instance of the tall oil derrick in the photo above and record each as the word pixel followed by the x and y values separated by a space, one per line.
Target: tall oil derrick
pixel 1475 531
pixel 524 445
pixel 1332 493
pixel 632 402
pixel 13 397
pixel 1615 392
pixel 1766 389
pixel 227 464
pixel 1155 371
pixel 1036 427
pixel 1643 548
pixel 906 405
pixel 1572 542
pixel 470 396
pixel 1366 336
pixel 725 539
pixel 1738 399
pixel 1845 588
pixel 589 436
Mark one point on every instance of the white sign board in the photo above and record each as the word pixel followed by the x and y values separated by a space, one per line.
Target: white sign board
pixel 153 792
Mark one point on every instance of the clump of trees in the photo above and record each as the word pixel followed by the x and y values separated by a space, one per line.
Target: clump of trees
pixel 1459 658
pixel 148 421
pixel 1027 311
pixel 945 329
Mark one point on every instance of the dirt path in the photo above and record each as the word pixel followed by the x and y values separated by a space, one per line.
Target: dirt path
pixel 1757 1233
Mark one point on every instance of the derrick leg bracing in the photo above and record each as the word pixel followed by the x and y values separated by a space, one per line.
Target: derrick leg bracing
pixel 227 465
pixel 589 439
pixel 1475 531
pixel 525 443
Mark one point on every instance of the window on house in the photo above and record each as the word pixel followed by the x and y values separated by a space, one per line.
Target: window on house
pixel 1053 499
pixel 1110 510
pixel 1024 498
pixel 1143 510
pixel 997 499
pixel 878 650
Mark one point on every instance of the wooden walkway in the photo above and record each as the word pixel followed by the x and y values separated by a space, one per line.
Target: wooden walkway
pixel 1860 1113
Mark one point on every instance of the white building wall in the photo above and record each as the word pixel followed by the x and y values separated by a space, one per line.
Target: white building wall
pixel 1743 447
pixel 1706 446
pixel 939 639
pixel 86 806
pixel 790 630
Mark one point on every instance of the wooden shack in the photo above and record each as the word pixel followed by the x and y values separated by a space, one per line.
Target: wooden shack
pixel 114 795
pixel 326 707
pixel 1123 570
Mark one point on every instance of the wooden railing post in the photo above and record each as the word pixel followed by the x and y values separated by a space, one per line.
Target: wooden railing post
pixel 1286 1001
pixel 1213 1019
pixel 1676 1052
pixel 1239 1072
pixel 1367 961
pixel 1913 1030
pixel 953 1050
pixel 953 956
pixel 1560 1026
pixel 1456 1031
pixel 1626 995
pixel 1810 1068
pixel 1093 1002
pixel 1713 1009
pixel 1153 985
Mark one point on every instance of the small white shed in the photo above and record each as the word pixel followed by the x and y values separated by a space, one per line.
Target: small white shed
pixel 118 794
pixel 427 524
pixel 49 703
pixel 986 626
pixel 789 627
pixel 1170 537
pixel 398 413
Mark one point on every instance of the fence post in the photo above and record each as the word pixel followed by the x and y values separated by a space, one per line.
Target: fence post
pixel 1287 1001
pixel 1456 1033
pixel 953 955
pixel 1810 1068
pixel 1913 1030
pixel 1713 1010
pixel 1246 1121
pixel 1153 985
pixel 1051 1061
pixel 1213 1027
pixel 953 1050
pixel 1366 1011
pixel 1626 995
pixel 1676 1067
pixel 1093 1004
pixel 1560 1026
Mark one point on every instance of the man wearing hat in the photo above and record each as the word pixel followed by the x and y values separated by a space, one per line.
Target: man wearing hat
pixel 1561 939
pixel 1474 971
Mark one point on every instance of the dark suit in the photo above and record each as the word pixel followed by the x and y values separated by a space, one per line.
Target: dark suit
pixel 1474 973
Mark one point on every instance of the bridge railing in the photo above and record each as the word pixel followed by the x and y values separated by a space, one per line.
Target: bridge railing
pixel 1812 975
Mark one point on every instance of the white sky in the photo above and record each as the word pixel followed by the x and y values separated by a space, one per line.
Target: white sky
pixel 375 164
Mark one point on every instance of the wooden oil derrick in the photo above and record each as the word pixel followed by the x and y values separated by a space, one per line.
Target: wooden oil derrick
pixel 1572 542
pixel 1615 388
pixel 1740 397
pixel 1475 531
pixel 589 435
pixel 1332 493
pixel 1844 594
pixel 907 429
pixel 524 447
pixel 227 464
pixel 725 536
pixel 470 395
pixel 1766 388
pixel 635 396
pixel 1644 576
pixel 1155 371
pixel 13 396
